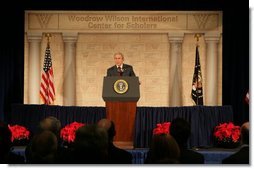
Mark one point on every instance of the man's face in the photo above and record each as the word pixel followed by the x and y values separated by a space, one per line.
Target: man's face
pixel 118 59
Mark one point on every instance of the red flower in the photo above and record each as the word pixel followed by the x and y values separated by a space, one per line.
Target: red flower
pixel 227 132
pixel 68 132
pixel 162 128
pixel 18 132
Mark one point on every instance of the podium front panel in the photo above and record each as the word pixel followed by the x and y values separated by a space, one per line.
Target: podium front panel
pixel 109 93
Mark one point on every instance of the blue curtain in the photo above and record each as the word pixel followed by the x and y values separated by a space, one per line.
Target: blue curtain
pixel 30 115
pixel 12 59
pixel 202 119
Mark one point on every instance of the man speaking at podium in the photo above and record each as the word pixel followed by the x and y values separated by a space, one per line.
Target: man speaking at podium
pixel 121 100
pixel 120 69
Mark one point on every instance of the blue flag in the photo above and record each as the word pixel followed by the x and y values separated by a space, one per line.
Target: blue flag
pixel 197 91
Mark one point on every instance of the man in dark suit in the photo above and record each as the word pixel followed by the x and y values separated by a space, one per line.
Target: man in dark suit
pixel 115 155
pixel 180 129
pixel 242 156
pixel 120 69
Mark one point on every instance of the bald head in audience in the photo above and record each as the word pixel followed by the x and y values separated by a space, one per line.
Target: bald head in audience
pixel 90 145
pixel 109 126
pixel 243 155
pixel 163 150
pixel 52 124
pixel 245 133
pixel 104 123
pixel 115 154
pixel 44 147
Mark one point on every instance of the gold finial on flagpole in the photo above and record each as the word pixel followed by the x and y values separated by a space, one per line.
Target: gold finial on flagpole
pixel 48 35
pixel 197 36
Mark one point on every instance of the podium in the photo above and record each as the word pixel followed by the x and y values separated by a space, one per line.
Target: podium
pixel 121 94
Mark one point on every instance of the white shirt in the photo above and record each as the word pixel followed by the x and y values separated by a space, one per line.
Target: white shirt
pixel 121 66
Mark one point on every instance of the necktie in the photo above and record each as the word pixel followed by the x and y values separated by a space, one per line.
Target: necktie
pixel 119 70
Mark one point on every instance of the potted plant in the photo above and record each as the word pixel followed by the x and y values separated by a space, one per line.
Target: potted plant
pixel 162 128
pixel 227 135
pixel 68 133
pixel 19 135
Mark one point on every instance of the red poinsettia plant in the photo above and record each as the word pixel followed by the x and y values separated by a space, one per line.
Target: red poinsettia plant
pixel 227 132
pixel 19 132
pixel 68 132
pixel 162 128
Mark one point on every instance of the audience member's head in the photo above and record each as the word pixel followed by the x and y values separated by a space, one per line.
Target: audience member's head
pixel 52 124
pixel 92 142
pixel 180 129
pixel 109 126
pixel 164 149
pixel 245 133
pixel 44 147
pixel 5 139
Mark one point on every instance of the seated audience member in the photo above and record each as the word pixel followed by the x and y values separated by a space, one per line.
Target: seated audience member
pixel 44 148
pixel 90 146
pixel 180 129
pixel 54 125
pixel 115 155
pixel 242 156
pixel 163 150
pixel 6 156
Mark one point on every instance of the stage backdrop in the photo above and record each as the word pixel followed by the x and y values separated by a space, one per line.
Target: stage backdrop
pixel 160 45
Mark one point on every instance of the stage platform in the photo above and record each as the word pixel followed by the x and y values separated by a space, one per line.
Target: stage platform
pixel 203 119
pixel 211 155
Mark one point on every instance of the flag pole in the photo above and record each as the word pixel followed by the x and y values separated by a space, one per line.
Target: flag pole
pixel 197 36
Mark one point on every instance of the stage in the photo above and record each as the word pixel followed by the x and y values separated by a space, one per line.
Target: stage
pixel 211 155
pixel 203 119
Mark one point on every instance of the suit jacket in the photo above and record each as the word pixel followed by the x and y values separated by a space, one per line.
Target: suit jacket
pixel 118 156
pixel 191 157
pixel 240 157
pixel 127 71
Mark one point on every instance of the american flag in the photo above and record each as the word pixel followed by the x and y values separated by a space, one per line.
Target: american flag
pixel 47 90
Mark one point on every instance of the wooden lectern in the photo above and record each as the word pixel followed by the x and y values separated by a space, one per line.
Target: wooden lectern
pixel 121 94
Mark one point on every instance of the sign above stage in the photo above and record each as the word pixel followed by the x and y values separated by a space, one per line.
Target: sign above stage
pixel 123 21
